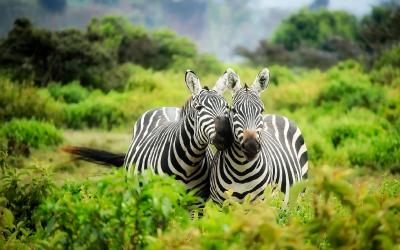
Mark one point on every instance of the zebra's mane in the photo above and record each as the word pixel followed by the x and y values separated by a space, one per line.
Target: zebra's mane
pixel 185 108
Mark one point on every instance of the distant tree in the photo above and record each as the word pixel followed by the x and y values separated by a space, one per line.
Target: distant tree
pixel 46 56
pixel 381 28
pixel 171 45
pixel 317 4
pixel 138 49
pixel 23 45
pixel 267 53
pixel 75 58
pixel 314 28
pixel 53 6
pixel 310 39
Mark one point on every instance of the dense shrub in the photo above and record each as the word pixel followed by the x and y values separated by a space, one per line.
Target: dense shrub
pixel 350 87
pixel 99 110
pixel 141 79
pixel 20 194
pixel 71 93
pixel 386 69
pixel 336 210
pixel 203 64
pixel 23 135
pixel 27 102
pixel 113 213
pixel 293 90
pixel 281 74
pixel 327 216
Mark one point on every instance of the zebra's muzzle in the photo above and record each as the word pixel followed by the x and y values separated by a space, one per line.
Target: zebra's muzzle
pixel 223 133
pixel 251 147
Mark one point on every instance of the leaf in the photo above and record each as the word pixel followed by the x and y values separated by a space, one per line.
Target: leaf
pixel 8 218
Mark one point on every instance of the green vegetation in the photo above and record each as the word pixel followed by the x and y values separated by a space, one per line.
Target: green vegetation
pixel 70 93
pixel 22 135
pixel 346 117
pixel 105 77
pixel 322 38
pixel 314 28
pixel 94 57
pixel 154 212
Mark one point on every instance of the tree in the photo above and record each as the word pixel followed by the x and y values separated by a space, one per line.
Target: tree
pixel 314 28
pixel 46 56
pixel 380 29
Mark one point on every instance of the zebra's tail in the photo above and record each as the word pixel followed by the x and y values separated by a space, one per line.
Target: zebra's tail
pixel 95 156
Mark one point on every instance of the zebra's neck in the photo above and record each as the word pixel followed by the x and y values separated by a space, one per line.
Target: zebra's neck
pixel 236 159
pixel 188 151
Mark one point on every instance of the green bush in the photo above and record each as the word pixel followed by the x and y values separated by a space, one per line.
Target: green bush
pixel 202 64
pixel 349 86
pixel 141 79
pixel 22 135
pixel 355 138
pixel 386 69
pixel 329 215
pixel 72 92
pixel 97 111
pixel 20 194
pixel 115 212
pixel 25 101
pixel 281 74
pixel 336 210
pixel 378 152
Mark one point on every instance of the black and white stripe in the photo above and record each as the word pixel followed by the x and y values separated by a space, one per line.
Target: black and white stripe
pixel 176 141
pixel 267 149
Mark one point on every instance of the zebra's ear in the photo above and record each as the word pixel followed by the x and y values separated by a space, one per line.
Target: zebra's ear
pixel 261 81
pixel 228 80
pixel 192 82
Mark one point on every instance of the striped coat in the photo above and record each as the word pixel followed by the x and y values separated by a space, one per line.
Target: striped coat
pixel 267 149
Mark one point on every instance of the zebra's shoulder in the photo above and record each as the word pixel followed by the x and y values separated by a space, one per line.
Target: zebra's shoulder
pixel 153 119
pixel 278 121
pixel 168 113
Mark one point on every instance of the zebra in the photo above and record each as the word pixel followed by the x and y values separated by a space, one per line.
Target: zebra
pixel 175 141
pixel 267 149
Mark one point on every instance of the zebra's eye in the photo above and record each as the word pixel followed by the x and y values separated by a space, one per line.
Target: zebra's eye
pixel 233 110
pixel 199 107
pixel 262 110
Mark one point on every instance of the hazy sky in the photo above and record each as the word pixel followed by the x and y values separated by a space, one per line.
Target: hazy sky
pixel 358 7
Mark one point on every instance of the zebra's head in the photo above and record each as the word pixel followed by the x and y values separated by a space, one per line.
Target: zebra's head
pixel 211 113
pixel 246 114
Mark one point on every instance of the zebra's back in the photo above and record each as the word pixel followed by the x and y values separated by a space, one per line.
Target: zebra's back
pixel 286 151
pixel 153 119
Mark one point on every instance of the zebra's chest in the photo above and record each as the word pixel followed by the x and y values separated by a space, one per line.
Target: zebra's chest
pixel 240 180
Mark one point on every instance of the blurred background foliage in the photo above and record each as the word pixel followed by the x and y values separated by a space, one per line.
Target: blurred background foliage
pixel 336 74
pixel 321 38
